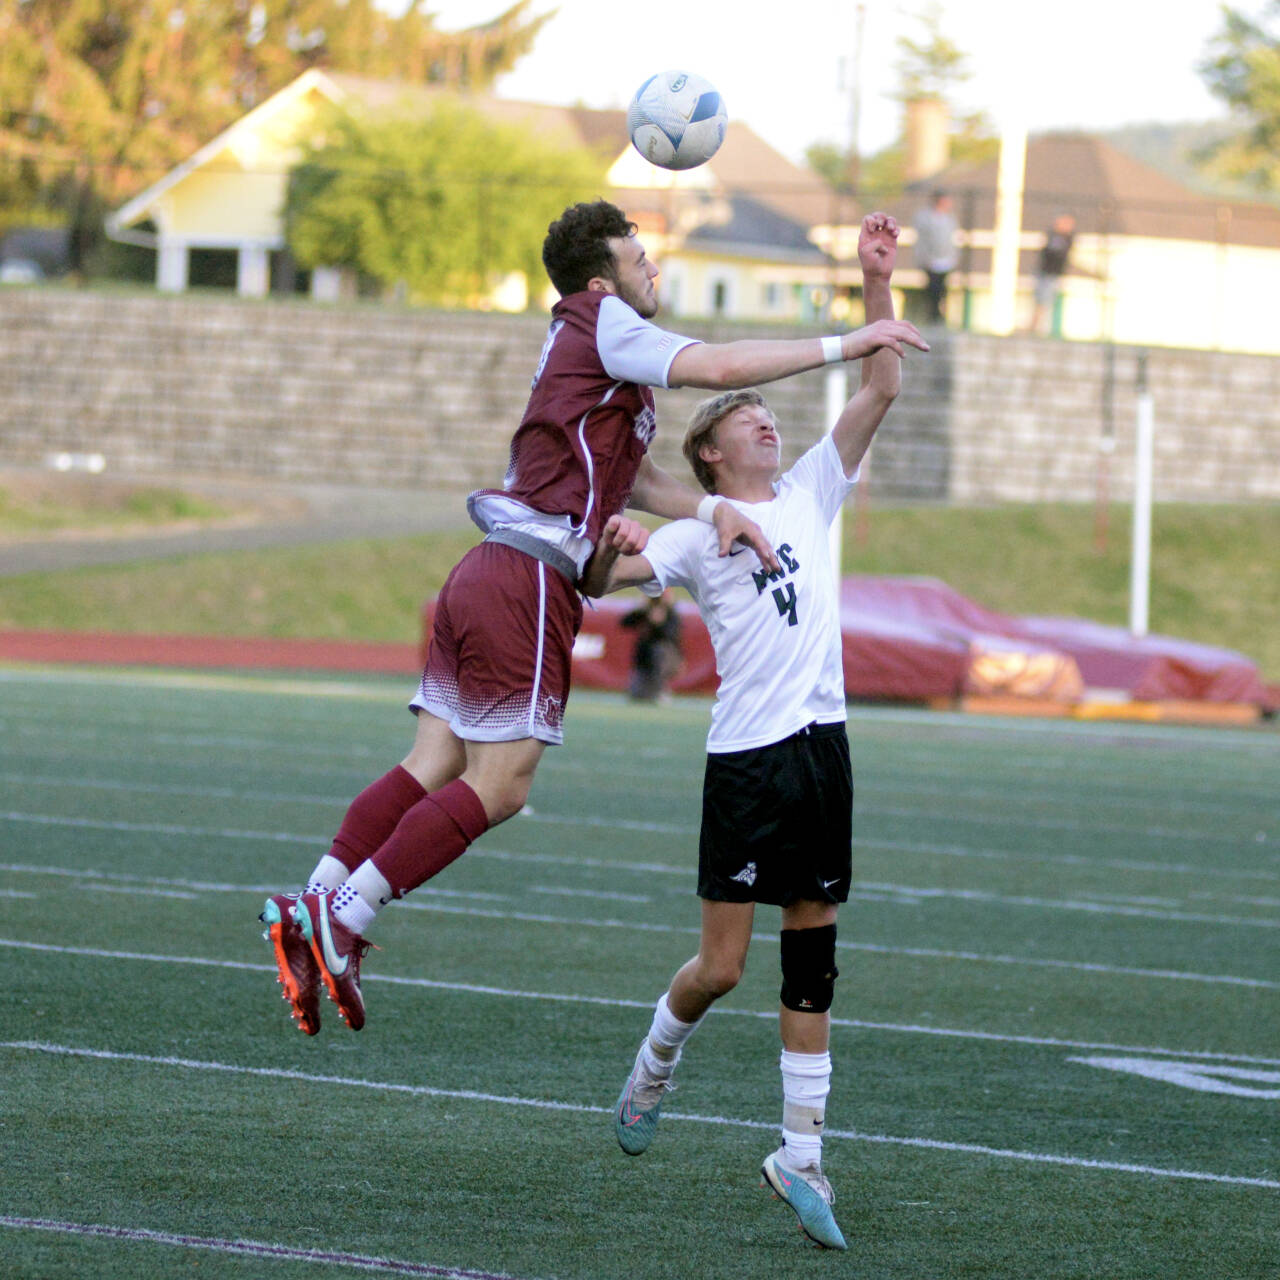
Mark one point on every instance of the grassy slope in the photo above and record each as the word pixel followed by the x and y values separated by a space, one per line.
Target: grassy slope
pixel 51 505
pixel 1214 577
pixel 1213 580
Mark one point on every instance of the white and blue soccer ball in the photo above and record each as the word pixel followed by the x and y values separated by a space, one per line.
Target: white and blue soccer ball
pixel 676 120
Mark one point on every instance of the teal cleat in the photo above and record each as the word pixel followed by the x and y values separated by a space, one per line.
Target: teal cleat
pixel 635 1119
pixel 295 965
pixel 810 1196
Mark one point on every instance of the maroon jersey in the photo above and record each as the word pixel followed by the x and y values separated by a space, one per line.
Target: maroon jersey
pixel 587 425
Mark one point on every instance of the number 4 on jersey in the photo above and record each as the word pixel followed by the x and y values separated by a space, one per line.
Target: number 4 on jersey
pixel 784 596
pixel 785 599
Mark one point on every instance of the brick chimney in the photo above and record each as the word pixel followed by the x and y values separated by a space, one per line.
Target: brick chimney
pixel 927 128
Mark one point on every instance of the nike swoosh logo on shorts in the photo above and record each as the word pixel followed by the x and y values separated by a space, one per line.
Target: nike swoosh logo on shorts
pixel 826 884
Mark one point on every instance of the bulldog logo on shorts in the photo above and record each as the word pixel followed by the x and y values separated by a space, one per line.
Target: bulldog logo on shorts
pixel 747 875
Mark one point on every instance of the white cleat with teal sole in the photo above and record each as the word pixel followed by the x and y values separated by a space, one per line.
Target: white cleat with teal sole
pixel 809 1195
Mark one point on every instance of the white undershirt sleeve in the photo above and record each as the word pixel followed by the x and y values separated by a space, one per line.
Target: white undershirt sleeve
pixel 633 350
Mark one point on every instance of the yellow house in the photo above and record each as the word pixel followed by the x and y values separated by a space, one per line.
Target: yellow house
pixel 229 194
pixel 733 236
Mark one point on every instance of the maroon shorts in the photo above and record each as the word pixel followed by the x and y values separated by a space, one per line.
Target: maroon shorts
pixel 501 645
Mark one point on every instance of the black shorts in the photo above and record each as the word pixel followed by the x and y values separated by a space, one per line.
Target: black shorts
pixel 777 821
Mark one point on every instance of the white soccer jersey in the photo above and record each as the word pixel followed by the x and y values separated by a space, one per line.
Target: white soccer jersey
pixel 776 636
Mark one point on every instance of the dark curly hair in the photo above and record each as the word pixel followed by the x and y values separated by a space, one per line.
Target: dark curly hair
pixel 577 245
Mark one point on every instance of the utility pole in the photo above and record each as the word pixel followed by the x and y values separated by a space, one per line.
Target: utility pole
pixel 853 160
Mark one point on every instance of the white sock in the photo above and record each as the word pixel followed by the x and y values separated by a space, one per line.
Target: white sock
pixel 327 876
pixel 806 1081
pixel 357 903
pixel 667 1035
pixel 372 886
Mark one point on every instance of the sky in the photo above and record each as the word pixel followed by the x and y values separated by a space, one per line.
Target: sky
pixel 787 70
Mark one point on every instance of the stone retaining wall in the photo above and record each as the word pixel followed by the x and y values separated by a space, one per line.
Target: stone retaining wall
pixel 377 396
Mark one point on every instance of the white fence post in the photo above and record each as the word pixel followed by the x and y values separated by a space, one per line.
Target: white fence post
pixel 837 388
pixel 1140 557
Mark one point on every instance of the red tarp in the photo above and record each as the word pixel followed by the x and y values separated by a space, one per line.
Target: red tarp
pixel 913 639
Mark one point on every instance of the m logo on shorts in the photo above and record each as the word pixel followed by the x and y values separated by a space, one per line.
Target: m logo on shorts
pixel 747 875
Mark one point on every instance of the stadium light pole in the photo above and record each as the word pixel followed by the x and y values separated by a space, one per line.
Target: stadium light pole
pixel 1140 556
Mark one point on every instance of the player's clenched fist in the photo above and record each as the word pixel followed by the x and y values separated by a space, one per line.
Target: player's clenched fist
pixel 625 536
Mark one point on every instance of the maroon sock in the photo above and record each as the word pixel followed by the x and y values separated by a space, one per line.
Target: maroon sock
pixel 430 836
pixel 373 814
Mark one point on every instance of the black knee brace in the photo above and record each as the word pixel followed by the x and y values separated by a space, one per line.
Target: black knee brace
pixel 809 970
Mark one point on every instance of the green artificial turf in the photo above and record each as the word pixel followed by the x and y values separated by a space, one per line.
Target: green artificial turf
pixel 1028 896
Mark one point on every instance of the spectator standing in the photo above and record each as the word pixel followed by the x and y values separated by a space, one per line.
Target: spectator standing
pixel 1054 258
pixel 656 658
pixel 935 252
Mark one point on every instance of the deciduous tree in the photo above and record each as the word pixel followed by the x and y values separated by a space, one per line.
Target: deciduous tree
pixel 1242 67
pixel 444 203
pixel 127 88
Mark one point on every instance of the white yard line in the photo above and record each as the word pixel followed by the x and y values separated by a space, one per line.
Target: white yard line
pixel 1108 908
pixel 720 1011
pixel 865 809
pixel 924 848
pixel 507 1100
pixel 432 900
pixel 249 1248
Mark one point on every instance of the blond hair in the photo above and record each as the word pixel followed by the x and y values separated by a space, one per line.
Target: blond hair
pixel 702 428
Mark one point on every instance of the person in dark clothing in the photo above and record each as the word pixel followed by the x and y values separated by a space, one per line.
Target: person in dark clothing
pixel 1053 265
pixel 657 653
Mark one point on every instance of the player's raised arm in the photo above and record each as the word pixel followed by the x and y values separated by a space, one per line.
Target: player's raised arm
pixel 726 366
pixel 882 369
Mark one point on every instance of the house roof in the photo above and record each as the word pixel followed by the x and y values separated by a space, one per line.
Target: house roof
pixel 558 123
pixel 1107 191
pixel 142 205
pixel 744 164
pixel 755 230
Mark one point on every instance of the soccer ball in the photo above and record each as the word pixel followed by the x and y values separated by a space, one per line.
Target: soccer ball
pixel 676 120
